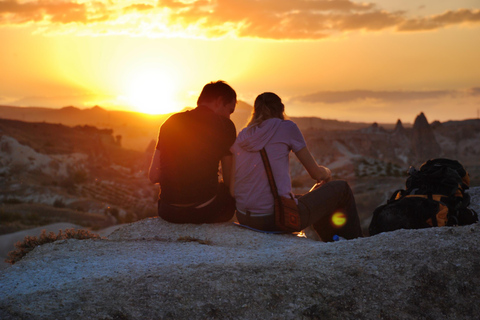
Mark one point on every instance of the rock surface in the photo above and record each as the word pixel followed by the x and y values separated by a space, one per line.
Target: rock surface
pixel 155 270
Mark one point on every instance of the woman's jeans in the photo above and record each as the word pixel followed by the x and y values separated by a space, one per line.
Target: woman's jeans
pixel 331 210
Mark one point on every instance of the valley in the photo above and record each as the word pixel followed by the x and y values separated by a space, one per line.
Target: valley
pixel 89 167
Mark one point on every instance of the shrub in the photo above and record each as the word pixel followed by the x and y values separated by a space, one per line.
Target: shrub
pixel 129 217
pixel 33 218
pixel 29 243
pixel 58 203
pixel 68 185
pixel 79 176
pixel 12 201
pixel 112 211
pixel 6 147
pixel 6 217
pixel 17 168
pixel 147 212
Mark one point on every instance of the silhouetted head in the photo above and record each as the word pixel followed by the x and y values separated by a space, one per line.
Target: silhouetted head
pixel 219 97
pixel 267 105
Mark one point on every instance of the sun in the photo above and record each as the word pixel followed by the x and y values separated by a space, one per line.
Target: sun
pixel 152 92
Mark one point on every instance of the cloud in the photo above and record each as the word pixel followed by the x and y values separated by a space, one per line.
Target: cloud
pixel 138 7
pixel 268 19
pixel 334 97
pixel 473 91
pixel 57 12
pixel 387 106
pixel 441 21
pixel 61 12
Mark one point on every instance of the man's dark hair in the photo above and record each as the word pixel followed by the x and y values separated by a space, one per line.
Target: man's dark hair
pixel 213 90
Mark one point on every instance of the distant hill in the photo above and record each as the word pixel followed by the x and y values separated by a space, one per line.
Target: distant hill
pixel 59 139
pixel 138 130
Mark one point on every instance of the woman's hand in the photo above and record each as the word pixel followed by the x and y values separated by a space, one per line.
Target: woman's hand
pixel 327 176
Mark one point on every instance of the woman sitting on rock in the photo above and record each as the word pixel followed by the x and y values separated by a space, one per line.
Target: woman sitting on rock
pixel 254 199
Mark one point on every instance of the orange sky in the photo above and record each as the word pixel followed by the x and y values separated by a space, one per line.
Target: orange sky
pixel 360 61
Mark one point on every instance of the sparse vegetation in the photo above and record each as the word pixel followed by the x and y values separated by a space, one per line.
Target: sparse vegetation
pixel 192 239
pixel 376 168
pixel 29 243
pixel 16 217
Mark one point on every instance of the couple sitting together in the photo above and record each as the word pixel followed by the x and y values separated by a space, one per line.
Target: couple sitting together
pixel 192 144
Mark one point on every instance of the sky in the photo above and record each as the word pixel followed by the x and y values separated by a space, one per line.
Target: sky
pixel 373 61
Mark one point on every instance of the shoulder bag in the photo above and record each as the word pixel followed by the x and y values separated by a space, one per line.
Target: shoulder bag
pixel 287 217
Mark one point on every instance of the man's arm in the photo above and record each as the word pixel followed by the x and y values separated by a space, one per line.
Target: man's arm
pixel 231 186
pixel 154 173
pixel 227 169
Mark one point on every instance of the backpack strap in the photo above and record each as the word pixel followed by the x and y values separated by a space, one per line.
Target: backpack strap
pixel 397 195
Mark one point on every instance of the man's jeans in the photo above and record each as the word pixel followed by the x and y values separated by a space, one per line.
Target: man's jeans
pixel 221 209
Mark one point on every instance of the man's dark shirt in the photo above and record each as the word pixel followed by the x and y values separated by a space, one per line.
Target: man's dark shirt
pixel 191 145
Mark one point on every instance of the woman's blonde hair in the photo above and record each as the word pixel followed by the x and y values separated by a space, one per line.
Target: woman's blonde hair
pixel 267 105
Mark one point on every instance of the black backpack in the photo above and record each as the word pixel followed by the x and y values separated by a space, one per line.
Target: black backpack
pixel 434 196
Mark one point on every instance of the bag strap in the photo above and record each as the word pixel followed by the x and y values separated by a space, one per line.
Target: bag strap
pixel 268 169
pixel 273 186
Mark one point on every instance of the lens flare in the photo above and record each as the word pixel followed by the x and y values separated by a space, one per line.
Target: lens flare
pixel 339 219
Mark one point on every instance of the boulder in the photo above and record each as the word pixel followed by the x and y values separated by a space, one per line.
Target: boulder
pixel 155 270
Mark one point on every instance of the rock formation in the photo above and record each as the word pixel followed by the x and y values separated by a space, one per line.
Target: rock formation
pixel 374 129
pixel 399 129
pixel 424 144
pixel 155 270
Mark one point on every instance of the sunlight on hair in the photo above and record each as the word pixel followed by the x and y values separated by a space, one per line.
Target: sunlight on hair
pixel 339 219
pixel 152 92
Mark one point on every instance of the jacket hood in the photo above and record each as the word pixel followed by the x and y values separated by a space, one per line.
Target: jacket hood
pixel 254 138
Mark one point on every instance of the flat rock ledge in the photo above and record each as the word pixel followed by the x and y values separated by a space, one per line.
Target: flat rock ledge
pixel 155 270
pixel 152 269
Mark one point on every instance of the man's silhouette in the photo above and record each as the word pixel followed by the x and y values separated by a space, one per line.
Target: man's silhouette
pixel 190 146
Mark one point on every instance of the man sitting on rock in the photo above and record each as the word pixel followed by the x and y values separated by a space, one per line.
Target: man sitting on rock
pixel 189 148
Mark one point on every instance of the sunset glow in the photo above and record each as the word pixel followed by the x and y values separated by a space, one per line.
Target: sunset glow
pixel 348 60
pixel 152 92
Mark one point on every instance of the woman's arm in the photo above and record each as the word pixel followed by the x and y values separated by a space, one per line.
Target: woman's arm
pixel 154 173
pixel 318 173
